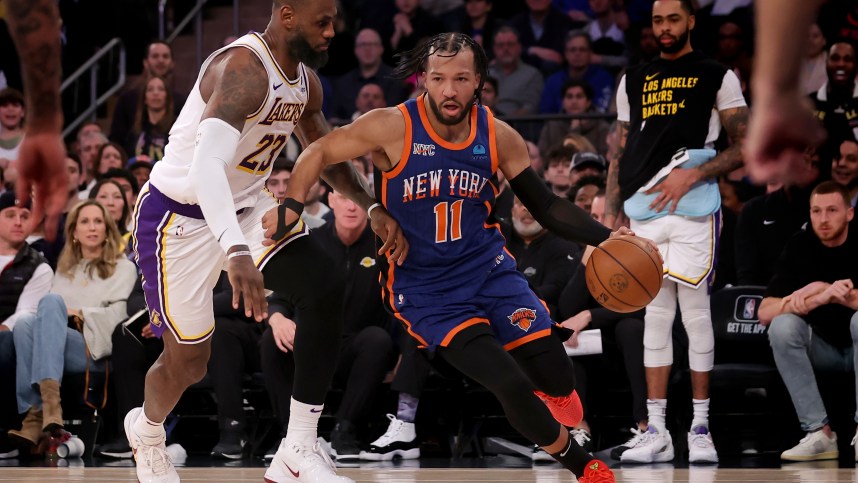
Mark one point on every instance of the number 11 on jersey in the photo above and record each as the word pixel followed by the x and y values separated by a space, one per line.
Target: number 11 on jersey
pixel 448 221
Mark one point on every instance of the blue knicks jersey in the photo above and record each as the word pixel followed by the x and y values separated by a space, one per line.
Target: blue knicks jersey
pixel 441 194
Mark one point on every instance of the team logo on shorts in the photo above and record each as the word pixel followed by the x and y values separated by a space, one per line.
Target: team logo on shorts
pixel 156 318
pixel 619 283
pixel 523 318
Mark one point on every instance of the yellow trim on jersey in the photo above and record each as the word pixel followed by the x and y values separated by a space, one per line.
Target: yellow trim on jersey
pixel 708 264
pixel 298 228
pixel 261 107
pixel 279 70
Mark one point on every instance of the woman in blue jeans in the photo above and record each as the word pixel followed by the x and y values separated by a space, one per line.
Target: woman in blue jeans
pixel 89 291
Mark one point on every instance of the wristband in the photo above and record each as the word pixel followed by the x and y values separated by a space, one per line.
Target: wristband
pixel 282 228
pixel 372 207
pixel 238 253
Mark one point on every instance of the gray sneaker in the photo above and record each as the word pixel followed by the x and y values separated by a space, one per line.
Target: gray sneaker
pixel 814 446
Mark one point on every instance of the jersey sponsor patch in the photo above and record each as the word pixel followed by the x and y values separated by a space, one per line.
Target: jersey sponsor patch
pixel 523 318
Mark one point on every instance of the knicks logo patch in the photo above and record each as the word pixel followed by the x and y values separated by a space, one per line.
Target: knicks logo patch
pixel 523 318
pixel 155 319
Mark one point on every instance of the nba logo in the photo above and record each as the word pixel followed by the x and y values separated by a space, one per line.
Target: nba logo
pixel 750 309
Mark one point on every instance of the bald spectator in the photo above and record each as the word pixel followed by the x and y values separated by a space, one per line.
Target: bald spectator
pixel 519 84
pixel 542 30
pixel 369 97
pixel 370 69
pixel 158 62
pixel 579 66
pixel 90 147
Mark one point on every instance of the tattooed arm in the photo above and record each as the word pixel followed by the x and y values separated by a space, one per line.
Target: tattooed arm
pixel 613 202
pixel 40 167
pixel 679 181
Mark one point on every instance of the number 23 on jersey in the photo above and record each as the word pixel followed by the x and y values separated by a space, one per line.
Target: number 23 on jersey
pixel 260 160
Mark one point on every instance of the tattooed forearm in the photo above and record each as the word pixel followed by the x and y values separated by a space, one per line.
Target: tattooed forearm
pixel 35 28
pixel 735 121
pixel 612 192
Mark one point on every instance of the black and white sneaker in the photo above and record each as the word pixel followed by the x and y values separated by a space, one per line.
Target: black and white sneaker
pixel 232 442
pixel 399 441
pixel 583 438
pixel 117 449
pixel 344 443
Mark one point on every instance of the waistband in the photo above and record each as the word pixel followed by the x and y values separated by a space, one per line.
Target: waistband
pixel 191 211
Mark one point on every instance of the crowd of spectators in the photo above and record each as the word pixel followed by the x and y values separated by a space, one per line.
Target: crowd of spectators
pixel 561 59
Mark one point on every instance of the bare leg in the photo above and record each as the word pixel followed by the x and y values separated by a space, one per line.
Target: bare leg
pixel 656 382
pixel 699 385
pixel 178 367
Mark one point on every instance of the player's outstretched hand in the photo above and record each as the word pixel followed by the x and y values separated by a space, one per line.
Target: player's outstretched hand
pixel 780 132
pixel 247 285
pixel 391 234
pixel 42 172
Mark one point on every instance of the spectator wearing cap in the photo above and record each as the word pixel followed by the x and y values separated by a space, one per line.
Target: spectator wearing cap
pixel 587 165
pixel 11 130
pixel 577 100
pixel 25 277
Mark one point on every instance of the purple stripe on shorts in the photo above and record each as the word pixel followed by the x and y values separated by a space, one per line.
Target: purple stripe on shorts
pixel 151 216
pixel 710 279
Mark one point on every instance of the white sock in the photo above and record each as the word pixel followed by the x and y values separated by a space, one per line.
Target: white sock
pixel 657 411
pixel 701 413
pixel 303 423
pixel 150 432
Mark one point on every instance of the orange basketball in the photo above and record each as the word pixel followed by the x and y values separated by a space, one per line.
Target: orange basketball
pixel 624 274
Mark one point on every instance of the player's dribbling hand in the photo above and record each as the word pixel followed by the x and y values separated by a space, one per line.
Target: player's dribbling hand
pixel 42 171
pixel 625 231
pixel 391 234
pixel 247 284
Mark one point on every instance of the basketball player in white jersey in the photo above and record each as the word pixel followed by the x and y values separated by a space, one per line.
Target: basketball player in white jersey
pixel 201 213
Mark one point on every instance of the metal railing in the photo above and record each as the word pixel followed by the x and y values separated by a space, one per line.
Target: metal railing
pixel 114 48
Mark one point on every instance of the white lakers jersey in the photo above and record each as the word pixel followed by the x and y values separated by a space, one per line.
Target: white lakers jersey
pixel 265 132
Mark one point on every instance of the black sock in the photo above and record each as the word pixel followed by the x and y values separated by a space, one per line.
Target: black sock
pixel 573 457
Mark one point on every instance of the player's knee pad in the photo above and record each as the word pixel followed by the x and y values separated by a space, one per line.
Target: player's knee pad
pixel 658 336
pixel 697 319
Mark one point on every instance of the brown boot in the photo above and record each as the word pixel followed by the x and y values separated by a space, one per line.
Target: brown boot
pixel 31 428
pixel 52 412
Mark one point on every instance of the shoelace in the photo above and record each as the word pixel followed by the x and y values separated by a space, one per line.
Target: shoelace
pixel 157 459
pixel 321 453
pixel 602 474
pixel 580 436
pixel 389 436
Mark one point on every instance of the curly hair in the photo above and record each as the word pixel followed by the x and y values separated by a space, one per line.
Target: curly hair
pixel 448 44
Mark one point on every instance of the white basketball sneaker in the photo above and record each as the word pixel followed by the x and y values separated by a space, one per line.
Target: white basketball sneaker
pixel 153 462
pixel 653 446
pixel 701 448
pixel 294 463
pixel 399 441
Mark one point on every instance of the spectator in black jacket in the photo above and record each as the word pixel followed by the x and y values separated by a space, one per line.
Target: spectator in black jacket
pixel 367 350
pixel 546 260
pixel 542 30
pixel 767 222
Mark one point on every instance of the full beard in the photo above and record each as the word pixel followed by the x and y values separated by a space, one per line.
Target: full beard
pixel 304 52
pixel 526 230
pixel 449 121
pixel 677 45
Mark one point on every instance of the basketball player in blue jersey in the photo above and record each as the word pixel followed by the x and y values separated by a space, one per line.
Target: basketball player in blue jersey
pixel 200 213
pixel 459 293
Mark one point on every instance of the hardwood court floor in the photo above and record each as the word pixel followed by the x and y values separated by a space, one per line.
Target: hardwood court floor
pixel 793 474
